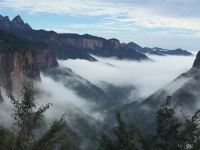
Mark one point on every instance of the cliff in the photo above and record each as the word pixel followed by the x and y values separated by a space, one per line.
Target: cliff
pixel 22 60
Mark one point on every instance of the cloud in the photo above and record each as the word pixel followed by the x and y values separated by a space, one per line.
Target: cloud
pixel 149 14
pixel 148 76
pixel 65 102
pixel 63 99
pixel 129 20
pixel 5 111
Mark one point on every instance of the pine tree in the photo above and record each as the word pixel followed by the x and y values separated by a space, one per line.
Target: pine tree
pixel 125 139
pixel 27 117
pixel 106 143
pixel 168 128
pixel 191 132
pixel 172 133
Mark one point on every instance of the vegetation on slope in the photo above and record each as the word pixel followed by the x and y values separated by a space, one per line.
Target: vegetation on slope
pixel 172 133
pixel 11 42
pixel 28 118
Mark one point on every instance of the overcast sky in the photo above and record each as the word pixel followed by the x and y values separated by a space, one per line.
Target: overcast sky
pixel 161 23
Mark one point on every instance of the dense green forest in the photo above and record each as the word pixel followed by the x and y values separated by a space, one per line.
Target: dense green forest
pixel 172 132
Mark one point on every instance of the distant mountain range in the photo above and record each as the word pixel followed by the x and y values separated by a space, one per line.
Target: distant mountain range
pixel 75 46
pixel 71 45
pixel 158 51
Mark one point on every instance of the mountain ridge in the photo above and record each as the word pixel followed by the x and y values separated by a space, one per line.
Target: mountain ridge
pixel 71 46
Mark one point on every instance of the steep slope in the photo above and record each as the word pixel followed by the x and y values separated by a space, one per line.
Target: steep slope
pixel 21 60
pixel 185 97
pixel 71 45
pixel 105 98
pixel 16 24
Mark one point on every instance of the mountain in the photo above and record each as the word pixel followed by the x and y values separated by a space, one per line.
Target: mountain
pixel 184 92
pixel 105 97
pixel 16 24
pixel 178 51
pixel 71 46
pixel 22 60
pixel 158 51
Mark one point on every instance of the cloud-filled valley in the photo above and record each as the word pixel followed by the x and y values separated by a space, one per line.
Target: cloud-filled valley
pixel 147 76
pixel 77 88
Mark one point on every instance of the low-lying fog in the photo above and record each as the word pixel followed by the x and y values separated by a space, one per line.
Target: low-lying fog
pixel 147 76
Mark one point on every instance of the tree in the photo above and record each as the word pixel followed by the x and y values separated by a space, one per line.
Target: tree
pixel 172 133
pixel 106 143
pixel 168 128
pixel 191 132
pixel 27 115
pixel 125 139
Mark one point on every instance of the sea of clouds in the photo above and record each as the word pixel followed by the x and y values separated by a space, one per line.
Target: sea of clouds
pixel 147 76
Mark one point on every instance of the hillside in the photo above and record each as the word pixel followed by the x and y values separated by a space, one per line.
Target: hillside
pixel 185 97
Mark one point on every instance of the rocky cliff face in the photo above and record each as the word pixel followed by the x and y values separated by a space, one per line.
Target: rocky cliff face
pixel 22 60
pixel 18 66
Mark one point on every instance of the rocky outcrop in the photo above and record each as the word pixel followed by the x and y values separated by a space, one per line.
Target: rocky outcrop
pixel 45 58
pixel 19 66
pixel 16 24
pixel 196 63
pixel 22 60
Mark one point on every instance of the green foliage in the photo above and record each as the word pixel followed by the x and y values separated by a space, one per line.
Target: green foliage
pixel 106 142
pixel 11 42
pixel 168 128
pixel 191 132
pixel 172 133
pixel 27 117
pixel 125 139
pixel 7 140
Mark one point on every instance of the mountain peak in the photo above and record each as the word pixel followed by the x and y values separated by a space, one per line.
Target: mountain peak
pixel 19 23
pixel 18 20
pixel 179 49
pixel 6 18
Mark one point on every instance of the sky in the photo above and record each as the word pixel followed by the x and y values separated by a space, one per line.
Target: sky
pixel 162 23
